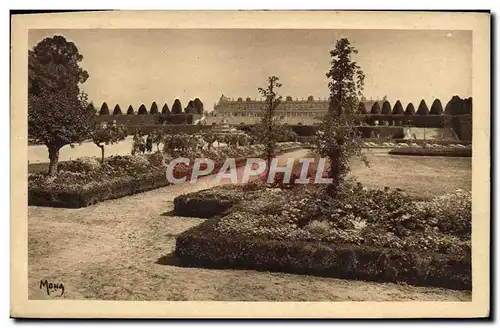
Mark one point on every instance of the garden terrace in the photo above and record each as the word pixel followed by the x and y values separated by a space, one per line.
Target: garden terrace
pixel 381 235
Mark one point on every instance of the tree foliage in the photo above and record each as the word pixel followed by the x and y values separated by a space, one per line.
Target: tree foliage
pixel 104 109
pixel 375 108
pixel 154 109
pixel 337 137
pixel 58 113
pixel 117 110
pixel 198 105
pixel 142 110
pixel 130 110
pixel 422 108
pixel 436 107
pixel 361 108
pixel 398 108
pixel 106 134
pixel 386 108
pixel 410 109
pixel 177 107
pixel 165 109
pixel 268 131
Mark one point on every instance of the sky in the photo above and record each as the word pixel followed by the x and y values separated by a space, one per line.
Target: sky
pixel 135 66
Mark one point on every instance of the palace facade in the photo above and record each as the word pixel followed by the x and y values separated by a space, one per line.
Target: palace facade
pixel 289 108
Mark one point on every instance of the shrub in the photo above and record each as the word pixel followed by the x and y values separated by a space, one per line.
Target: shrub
pixel 422 108
pixel 205 246
pixel 130 110
pixel 165 109
pixel 154 108
pixel 436 108
pixel 410 110
pixel 142 110
pixel 117 110
pixel 448 152
pixel 104 109
pixel 177 107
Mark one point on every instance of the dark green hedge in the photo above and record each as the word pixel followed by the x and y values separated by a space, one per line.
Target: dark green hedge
pixel 204 246
pixel 448 152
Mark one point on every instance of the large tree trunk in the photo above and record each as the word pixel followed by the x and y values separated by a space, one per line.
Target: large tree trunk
pixel 53 158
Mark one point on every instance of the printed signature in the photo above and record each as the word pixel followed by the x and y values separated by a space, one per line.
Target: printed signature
pixel 52 287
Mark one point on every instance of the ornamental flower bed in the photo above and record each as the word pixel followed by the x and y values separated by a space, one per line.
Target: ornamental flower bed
pixel 378 235
pixel 86 181
pixel 434 150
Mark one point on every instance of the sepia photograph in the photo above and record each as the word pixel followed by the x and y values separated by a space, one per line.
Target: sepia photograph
pixel 240 160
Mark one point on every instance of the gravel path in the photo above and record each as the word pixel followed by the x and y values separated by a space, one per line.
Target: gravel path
pixel 122 250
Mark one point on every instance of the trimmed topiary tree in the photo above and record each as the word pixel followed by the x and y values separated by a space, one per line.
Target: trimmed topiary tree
pixel 142 110
pixel 177 107
pixel 198 105
pixel 117 110
pixel 154 109
pixel 386 110
pixel 165 109
pixel 436 108
pixel 422 108
pixel 361 108
pixel 130 110
pixel 91 108
pixel 410 109
pixel 104 109
pixel 375 108
pixel 398 108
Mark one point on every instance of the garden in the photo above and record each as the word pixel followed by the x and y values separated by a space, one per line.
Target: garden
pixel 369 234
pixel 86 181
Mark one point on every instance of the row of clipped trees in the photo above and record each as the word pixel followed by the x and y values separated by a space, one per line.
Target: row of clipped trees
pixel 194 106
pixel 456 106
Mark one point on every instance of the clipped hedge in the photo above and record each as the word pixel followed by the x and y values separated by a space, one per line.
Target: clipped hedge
pixel 448 152
pixel 204 246
pixel 83 197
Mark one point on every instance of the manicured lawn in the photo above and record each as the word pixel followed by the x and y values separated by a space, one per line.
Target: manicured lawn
pixel 419 176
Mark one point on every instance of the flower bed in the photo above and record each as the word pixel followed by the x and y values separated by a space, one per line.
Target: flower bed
pixel 432 150
pixel 86 181
pixel 378 235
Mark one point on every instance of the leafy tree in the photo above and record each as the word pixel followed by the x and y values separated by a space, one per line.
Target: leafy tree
pixel 337 137
pixel 198 105
pixel 422 108
pixel 177 107
pixel 410 110
pixel 58 113
pixel 165 109
pixel 130 110
pixel 117 110
pixel 106 134
pixel 398 108
pixel 386 108
pixel 436 108
pixel 361 108
pixel 268 123
pixel 375 108
pixel 142 110
pixel 154 109
pixel 91 107
pixel 104 109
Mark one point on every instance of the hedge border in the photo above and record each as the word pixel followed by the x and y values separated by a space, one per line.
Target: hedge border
pixel 73 199
pixel 203 246
pixel 446 152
